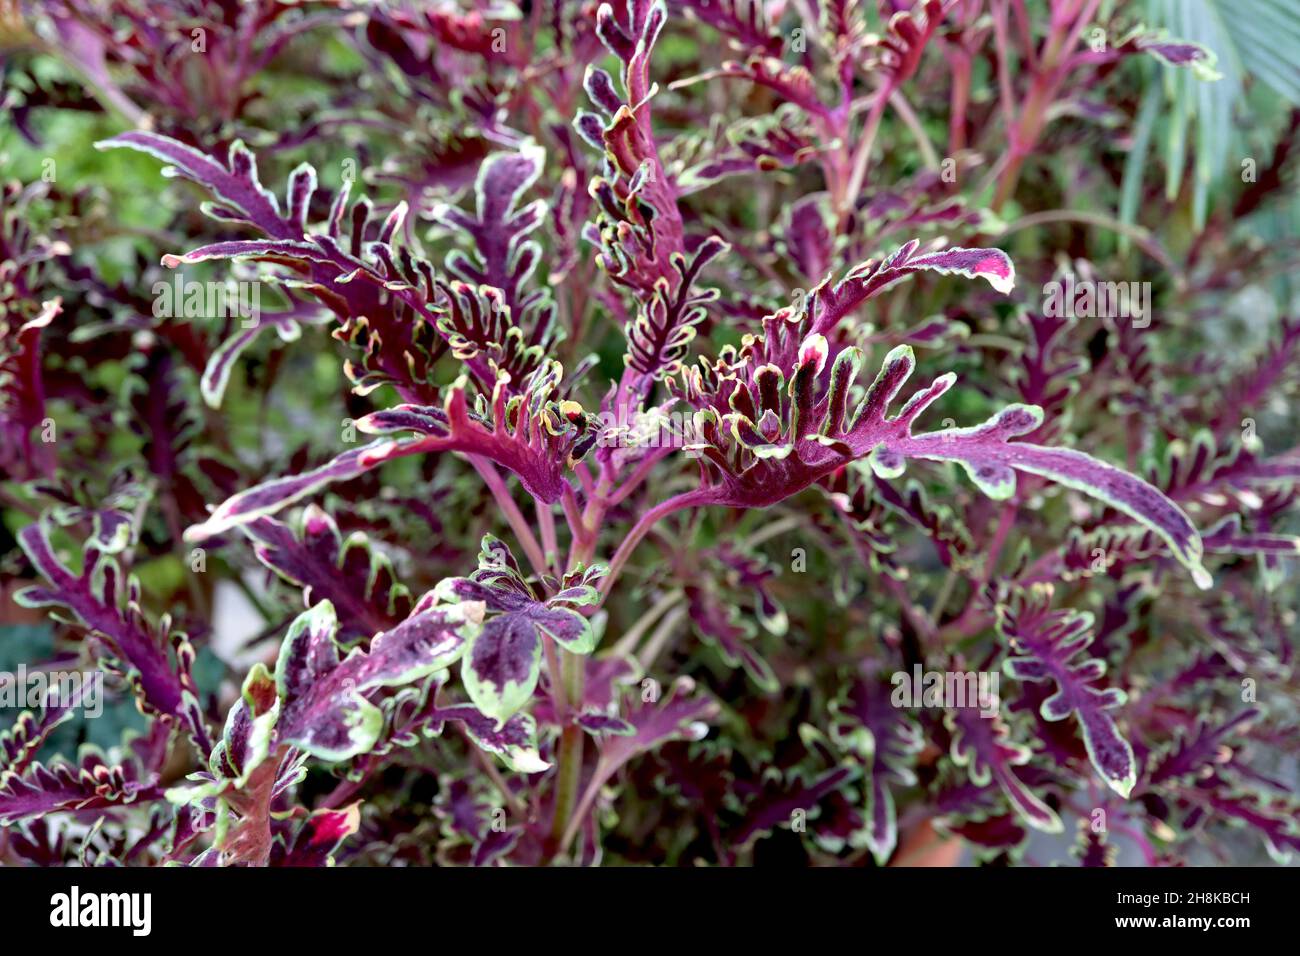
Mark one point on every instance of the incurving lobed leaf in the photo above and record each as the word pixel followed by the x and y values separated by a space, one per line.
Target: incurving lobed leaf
pixel 762 440
pixel 503 662
pixel 1047 644
pixel 163 686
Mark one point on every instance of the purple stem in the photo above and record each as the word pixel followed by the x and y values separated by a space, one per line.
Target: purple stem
pixel 647 521
pixel 511 510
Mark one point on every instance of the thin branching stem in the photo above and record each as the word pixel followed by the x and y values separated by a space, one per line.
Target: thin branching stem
pixel 515 517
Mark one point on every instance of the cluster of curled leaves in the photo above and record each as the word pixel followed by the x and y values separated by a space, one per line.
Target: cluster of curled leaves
pixel 635 392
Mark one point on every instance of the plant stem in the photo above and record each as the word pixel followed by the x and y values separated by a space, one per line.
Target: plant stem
pixel 511 511
pixel 1006 520
pixel 638 476
pixel 918 619
pixel 1005 97
pixel 558 699
pixel 628 642
pixel 769 531
pixel 1048 75
pixel 546 522
pixel 904 110
pixel 941 600
pixel 585 528
pixel 662 634
pixel 959 100
pixel 582 809
pixel 484 761
pixel 172 517
pixel 1141 237
pixel 862 153
pixel 569 774
pixel 641 528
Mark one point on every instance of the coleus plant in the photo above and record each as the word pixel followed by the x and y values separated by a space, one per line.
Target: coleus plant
pixel 567 590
